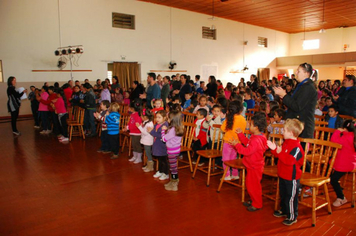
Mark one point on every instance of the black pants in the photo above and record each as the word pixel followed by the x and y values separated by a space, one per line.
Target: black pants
pixel 334 180
pixel 289 191
pixel 14 116
pixel 105 146
pixel 34 110
pixel 114 143
pixel 64 125
pixel 163 166
pixel 56 124
pixel 196 146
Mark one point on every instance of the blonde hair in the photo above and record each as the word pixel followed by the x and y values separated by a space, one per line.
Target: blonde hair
pixel 295 126
pixel 114 107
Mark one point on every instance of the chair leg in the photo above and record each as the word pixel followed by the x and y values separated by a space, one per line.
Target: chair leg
pixel 222 179
pixel 130 140
pixel 82 131
pixel 123 145
pixel 314 207
pixel 242 185
pixel 327 197
pixel 196 167
pixel 190 162
pixel 276 203
pixel 209 172
pixel 353 189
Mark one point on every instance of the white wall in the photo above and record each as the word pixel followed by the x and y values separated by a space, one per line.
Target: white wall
pixel 30 36
pixel 332 41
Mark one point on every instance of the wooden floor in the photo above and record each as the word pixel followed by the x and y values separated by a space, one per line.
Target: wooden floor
pixel 49 188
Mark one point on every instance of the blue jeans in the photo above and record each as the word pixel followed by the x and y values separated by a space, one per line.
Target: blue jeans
pixel 89 121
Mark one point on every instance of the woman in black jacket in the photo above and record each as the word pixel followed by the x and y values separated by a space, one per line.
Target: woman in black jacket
pixel 211 87
pixel 137 90
pixel 14 102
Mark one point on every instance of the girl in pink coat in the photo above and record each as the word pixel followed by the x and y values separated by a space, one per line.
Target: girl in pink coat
pixel 346 157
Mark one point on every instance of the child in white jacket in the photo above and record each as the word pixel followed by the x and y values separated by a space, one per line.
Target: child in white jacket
pixel 146 137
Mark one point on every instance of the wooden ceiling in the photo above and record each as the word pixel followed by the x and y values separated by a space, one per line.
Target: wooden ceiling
pixel 282 15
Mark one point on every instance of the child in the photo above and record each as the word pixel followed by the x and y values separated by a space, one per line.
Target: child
pixel 200 134
pixel 113 123
pixel 90 109
pixel 157 105
pixel 172 136
pixel 135 133
pixel 248 99
pixel 270 93
pixel 290 157
pixel 104 106
pixel 60 106
pixel 333 118
pixel 43 110
pixel 279 114
pixel 159 148
pixel 253 159
pixel 346 158
pixel 234 120
pixel 146 137
pixel 202 104
pixel 127 98
pixel 187 100
pixel 328 103
pixel 215 119
pixel 200 90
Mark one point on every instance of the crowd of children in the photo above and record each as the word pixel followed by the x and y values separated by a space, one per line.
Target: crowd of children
pixel 160 130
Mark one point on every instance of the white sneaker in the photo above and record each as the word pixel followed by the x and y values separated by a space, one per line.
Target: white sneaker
pixel 64 140
pixel 157 175
pixel 164 177
pixel 235 177
pixel 36 127
pixel 17 133
pixel 43 132
pixel 308 192
pixel 48 131
pixel 339 202
pixel 132 159
pixel 228 178
pixel 137 160
pixel 180 157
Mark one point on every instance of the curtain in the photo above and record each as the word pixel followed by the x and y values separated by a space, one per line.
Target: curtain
pixel 127 72
pixel 263 74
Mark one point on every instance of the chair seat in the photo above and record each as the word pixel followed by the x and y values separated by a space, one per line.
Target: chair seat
pixel 271 171
pixel 185 149
pixel 125 133
pixel 210 153
pixel 74 124
pixel 312 180
pixel 236 164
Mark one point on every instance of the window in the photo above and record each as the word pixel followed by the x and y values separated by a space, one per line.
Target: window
pixel 109 76
pixel 123 21
pixel 262 42
pixel 1 76
pixel 208 33
pixel 311 44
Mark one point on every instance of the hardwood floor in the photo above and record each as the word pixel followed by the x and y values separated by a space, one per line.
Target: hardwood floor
pixel 49 188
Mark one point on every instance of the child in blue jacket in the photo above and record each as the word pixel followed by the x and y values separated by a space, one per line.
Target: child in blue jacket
pixel 113 125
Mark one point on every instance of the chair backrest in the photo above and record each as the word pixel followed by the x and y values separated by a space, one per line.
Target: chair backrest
pixel 278 140
pixel 319 118
pixel 322 156
pixel 188 134
pixel 124 120
pixel 321 123
pixel 277 128
pixel 73 113
pixel 252 110
pixel 217 142
pixel 248 117
pixel 323 133
pixel 188 117
pixel 123 108
pixel 81 112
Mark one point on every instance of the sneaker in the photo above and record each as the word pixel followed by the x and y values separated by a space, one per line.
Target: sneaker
pixel 36 127
pixel 228 178
pixel 132 159
pixel 48 131
pixel 114 157
pixel 308 192
pixel 106 151
pixel 247 204
pixel 157 175
pixel 235 177
pixel 201 164
pixel 64 140
pixel 16 133
pixel 180 157
pixel 194 162
pixel 164 177
pixel 144 167
pixel 339 202
pixel 100 151
pixel 279 214
pixel 289 222
pixel 43 132
pixel 252 208
pixel 137 161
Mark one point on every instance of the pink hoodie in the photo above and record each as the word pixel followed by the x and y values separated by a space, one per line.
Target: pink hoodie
pixel 345 160
pixel 60 106
pixel 43 107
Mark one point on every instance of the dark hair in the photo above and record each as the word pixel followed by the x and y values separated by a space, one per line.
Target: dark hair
pixel 202 82
pixel 328 98
pixel 76 81
pixel 197 76
pixel 194 102
pixel 338 82
pixel 175 107
pixel 9 80
pixel 222 101
pixel 334 107
pixel 217 106
pixel 202 112
pixel 32 86
pixel 66 85
pixel 176 122
pixel 259 120
pixel 167 78
pixel 173 76
pixel 307 68
pixel 153 75
pixel 87 86
pixel 280 112
pixel 184 76
pixel 147 112
pixel 234 108
pixel 212 79
pixel 106 103
pixel 349 125
pixel 261 90
pixel 249 92
pixel 61 92
pixel 116 79
pixel 191 82
pixel 352 78
pixel 56 85
pixel 210 99
pixel 51 88
pixel 163 113
pixel 136 104
pixel 327 91
pixel 177 97
pixel 45 88
pixel 263 107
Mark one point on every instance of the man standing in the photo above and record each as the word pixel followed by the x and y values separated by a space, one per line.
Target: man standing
pixel 165 90
pixel 153 90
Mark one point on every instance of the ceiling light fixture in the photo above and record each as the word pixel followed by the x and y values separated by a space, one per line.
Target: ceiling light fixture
pixel 323 22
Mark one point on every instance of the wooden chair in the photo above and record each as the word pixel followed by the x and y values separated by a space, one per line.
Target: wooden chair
pixel 189 117
pixel 214 152
pixel 73 115
pixel 236 164
pixel 271 171
pixel 319 173
pixel 323 133
pixel 353 186
pixel 187 145
pixel 346 117
pixel 321 123
pixel 125 135
pixel 123 108
pixel 75 128
pixel 319 118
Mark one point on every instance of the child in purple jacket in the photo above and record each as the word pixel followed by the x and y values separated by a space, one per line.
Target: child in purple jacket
pixel 173 139
pixel 159 148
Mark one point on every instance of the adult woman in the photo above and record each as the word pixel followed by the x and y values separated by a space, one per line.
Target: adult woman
pixel 254 83
pixel 14 102
pixel 137 90
pixel 346 97
pixel 301 104
pixel 211 87
pixel 321 86
pixel 336 87
pixel 115 84
pixel 242 83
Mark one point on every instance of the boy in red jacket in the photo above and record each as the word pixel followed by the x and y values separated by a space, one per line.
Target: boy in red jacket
pixel 290 159
pixel 253 158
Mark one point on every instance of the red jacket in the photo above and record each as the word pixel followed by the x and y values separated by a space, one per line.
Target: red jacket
pixel 290 160
pixel 202 136
pixel 346 156
pixel 68 93
pixel 253 152
pixel 132 123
